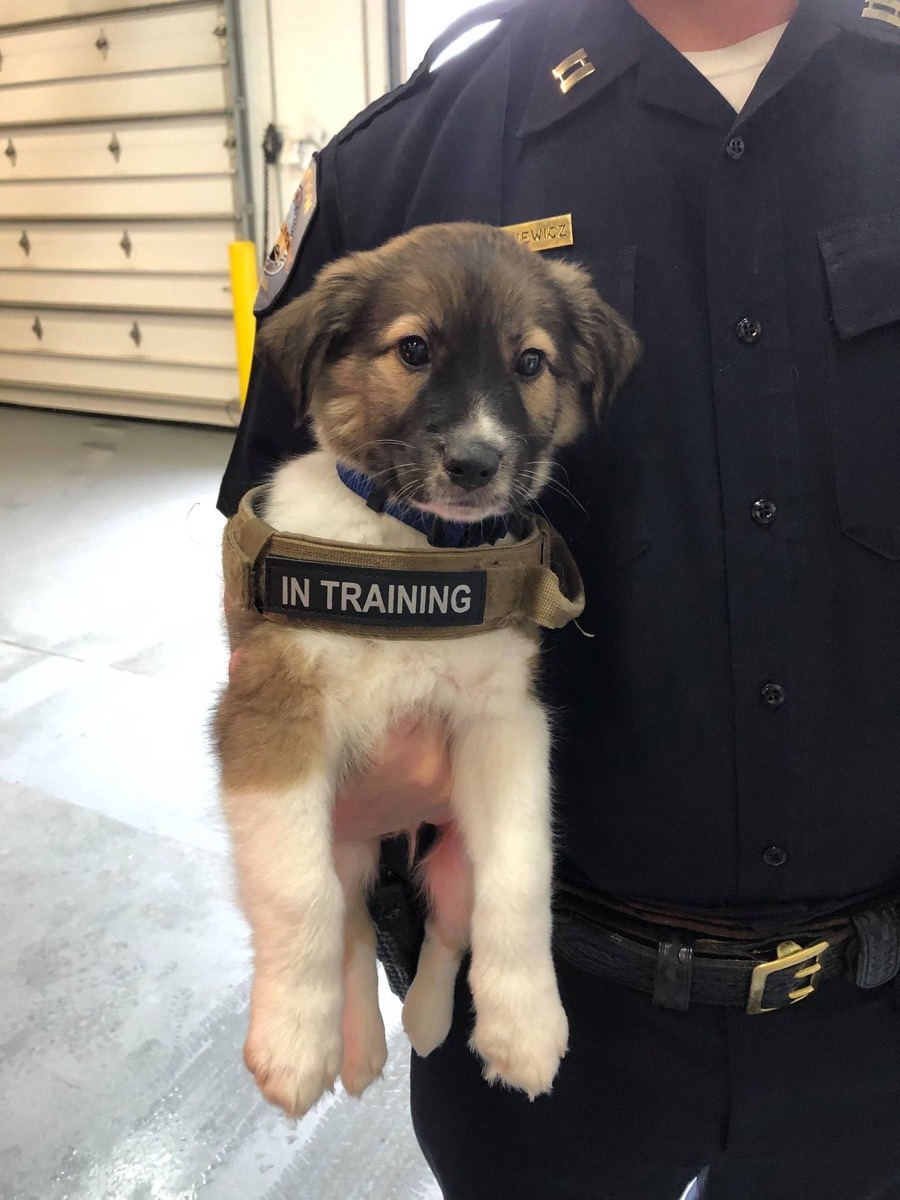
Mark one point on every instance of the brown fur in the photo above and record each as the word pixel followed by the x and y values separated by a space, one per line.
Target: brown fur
pixel 268 726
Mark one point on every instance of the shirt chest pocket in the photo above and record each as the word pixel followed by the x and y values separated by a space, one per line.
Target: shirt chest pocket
pixel 862 267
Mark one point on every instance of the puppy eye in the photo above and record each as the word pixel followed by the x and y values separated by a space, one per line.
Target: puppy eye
pixel 530 362
pixel 414 351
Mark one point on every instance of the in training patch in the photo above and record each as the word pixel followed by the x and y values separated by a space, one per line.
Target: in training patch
pixel 365 596
pixel 279 265
pixel 883 10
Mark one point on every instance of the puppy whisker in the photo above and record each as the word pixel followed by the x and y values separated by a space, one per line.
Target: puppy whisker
pixel 548 482
pixel 408 489
pixel 385 442
pixel 563 488
pixel 528 499
pixel 399 468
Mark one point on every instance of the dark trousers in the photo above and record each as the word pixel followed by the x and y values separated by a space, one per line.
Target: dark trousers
pixel 800 1104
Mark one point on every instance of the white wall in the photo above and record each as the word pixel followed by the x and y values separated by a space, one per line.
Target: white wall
pixel 323 77
pixel 425 19
pixel 330 61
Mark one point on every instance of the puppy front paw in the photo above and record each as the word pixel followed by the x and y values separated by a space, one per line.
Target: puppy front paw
pixel 522 1035
pixel 365 1047
pixel 293 1047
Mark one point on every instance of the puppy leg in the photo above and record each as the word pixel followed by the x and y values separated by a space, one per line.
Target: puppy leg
pixel 501 798
pixel 278 779
pixel 447 877
pixel 365 1049
pixel 294 903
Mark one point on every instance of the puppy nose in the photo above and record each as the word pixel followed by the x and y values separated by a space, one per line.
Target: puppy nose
pixel 473 466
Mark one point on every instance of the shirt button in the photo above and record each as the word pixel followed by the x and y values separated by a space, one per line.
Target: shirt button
pixel 772 695
pixel 748 331
pixel 735 147
pixel 774 856
pixel 763 512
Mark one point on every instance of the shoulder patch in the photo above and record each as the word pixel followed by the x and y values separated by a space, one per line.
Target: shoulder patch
pixel 279 264
pixel 883 10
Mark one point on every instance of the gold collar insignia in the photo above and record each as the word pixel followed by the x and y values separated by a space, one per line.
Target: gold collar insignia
pixel 575 68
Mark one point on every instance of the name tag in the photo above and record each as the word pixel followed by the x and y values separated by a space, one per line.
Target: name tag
pixel 365 596
pixel 548 234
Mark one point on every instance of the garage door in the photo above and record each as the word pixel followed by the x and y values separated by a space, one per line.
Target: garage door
pixel 120 190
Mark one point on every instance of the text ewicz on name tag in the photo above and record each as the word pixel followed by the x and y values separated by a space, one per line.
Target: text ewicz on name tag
pixel 366 596
pixel 548 234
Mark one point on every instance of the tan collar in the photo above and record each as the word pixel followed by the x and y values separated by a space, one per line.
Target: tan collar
pixel 376 592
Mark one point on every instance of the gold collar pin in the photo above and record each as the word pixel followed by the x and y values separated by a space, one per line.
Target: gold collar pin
pixel 572 70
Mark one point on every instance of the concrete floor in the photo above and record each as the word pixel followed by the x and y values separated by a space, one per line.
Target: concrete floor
pixel 124 963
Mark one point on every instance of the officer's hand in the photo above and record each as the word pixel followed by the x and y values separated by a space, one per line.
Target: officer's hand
pixel 406 784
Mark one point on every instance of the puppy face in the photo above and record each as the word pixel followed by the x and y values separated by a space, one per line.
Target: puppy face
pixel 450 365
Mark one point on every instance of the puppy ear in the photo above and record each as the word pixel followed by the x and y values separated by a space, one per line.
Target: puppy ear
pixel 606 347
pixel 297 339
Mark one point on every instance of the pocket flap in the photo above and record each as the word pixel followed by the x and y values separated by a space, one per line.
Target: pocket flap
pixel 862 262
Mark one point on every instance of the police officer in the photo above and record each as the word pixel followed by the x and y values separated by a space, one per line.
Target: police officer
pixel 728 758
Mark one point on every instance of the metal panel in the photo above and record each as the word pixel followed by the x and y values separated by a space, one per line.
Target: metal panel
pixel 28 12
pixel 113 46
pixel 123 124
pixel 195 146
pixel 115 98
pixel 395 22
pixel 123 404
pixel 237 92
pixel 208 196
pixel 140 293
pixel 185 248
pixel 41 370
pixel 176 338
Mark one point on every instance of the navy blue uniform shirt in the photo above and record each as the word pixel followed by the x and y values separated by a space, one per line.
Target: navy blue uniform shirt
pixel 731 734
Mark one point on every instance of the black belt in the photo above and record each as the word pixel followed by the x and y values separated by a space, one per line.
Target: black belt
pixel 678 966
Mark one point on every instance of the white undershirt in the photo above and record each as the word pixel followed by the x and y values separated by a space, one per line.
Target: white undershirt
pixel 734 70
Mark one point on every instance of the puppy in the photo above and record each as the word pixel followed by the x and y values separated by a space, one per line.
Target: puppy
pixel 448 366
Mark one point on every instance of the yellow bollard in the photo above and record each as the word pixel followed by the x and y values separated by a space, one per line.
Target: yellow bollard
pixel 244 282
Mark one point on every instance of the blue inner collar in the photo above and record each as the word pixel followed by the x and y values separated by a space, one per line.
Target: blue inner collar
pixel 452 534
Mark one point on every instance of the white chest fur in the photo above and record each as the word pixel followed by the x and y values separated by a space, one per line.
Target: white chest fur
pixel 378 680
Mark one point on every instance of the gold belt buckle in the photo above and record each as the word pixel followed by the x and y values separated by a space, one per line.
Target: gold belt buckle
pixel 791 957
